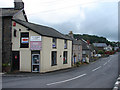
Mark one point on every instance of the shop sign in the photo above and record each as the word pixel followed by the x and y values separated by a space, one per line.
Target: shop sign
pixel 35 38
pixel 25 40
pixel 35 45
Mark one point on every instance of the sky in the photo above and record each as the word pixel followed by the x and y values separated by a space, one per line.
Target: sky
pixel 94 17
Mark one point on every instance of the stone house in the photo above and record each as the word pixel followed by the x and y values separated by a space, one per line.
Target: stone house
pixel 7 15
pixel 99 46
pixel 37 48
pixel 108 48
pixel 86 50
pixel 77 49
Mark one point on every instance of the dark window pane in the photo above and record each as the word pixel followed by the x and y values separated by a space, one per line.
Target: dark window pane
pixel 54 43
pixel 36 68
pixel 54 58
pixel 65 57
pixel 65 44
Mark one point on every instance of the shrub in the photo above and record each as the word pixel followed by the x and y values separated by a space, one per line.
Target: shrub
pixel 78 64
pixel 100 52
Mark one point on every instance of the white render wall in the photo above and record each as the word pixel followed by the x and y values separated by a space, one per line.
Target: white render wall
pixel 45 53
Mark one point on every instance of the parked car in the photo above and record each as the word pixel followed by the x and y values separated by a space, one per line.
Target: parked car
pixel 97 55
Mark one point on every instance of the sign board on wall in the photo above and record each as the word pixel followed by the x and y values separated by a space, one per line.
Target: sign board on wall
pixel 24 40
pixel 35 38
pixel 35 43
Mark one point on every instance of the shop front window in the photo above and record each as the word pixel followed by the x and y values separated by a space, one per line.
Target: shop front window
pixel 36 59
pixel 35 62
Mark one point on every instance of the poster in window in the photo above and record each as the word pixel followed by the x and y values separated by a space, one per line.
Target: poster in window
pixel 25 40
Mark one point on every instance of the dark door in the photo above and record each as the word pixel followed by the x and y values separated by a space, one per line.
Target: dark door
pixel 15 60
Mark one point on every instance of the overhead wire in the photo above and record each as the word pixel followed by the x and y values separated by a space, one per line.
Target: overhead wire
pixel 52 10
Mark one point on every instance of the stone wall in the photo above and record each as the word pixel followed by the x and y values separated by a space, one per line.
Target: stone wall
pixel 6 41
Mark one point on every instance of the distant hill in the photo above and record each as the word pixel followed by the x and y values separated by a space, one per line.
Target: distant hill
pixel 93 39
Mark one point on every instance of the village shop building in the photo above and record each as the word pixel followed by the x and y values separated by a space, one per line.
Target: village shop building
pixel 37 48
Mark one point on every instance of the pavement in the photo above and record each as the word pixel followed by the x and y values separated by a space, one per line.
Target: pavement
pixel 117 84
pixel 99 74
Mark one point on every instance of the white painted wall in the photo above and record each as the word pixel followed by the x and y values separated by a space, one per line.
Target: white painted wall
pixel 45 53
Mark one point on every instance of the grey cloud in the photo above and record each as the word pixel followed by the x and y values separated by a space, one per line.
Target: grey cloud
pixel 101 21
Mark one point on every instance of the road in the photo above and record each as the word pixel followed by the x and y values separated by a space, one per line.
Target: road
pixel 99 74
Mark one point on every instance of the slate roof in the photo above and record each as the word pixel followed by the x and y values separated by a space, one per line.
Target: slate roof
pixel 92 47
pixel 84 45
pixel 42 30
pixel 8 11
pixel 75 42
pixel 100 44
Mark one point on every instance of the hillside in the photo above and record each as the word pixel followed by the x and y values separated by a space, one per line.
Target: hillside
pixel 93 39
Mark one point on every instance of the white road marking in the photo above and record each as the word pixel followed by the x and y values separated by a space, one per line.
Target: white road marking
pixel 109 60
pixel 96 68
pixel 92 62
pixel 66 80
pixel 105 63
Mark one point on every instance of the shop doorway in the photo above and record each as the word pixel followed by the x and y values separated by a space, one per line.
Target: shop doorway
pixel 15 60
pixel 35 61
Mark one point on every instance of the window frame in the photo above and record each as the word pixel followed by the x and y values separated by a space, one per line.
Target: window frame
pixel 78 47
pixel 54 41
pixel 53 59
pixel 65 44
pixel 25 45
pixel 65 55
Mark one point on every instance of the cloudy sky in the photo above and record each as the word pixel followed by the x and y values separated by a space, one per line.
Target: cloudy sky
pixel 95 17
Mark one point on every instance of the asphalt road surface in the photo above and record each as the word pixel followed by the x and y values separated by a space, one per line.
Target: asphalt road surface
pixel 99 74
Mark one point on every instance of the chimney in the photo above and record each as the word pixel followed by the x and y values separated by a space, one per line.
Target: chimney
pixel 71 34
pixel 18 4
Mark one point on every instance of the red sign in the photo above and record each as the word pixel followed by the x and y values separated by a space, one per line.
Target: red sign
pixel 15 57
pixel 14 23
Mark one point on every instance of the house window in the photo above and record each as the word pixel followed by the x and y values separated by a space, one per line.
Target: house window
pixel 79 56
pixel 54 58
pixel 79 47
pixel 54 43
pixel 65 57
pixel 84 52
pixel 65 44
pixel 15 31
pixel 24 40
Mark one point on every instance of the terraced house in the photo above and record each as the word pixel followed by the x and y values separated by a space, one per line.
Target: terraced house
pixel 16 12
pixel 37 48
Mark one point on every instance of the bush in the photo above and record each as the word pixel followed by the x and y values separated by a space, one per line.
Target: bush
pixel 5 64
pixel 100 52
pixel 78 64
